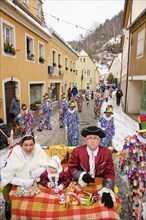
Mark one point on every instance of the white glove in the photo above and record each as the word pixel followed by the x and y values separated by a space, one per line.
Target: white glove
pixel 106 190
pixel 50 185
pixel 38 172
pixel 28 182
pixel 59 188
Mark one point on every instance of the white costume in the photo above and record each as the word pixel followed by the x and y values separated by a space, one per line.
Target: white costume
pixel 20 167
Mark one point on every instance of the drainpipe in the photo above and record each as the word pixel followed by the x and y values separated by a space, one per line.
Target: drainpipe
pixel 128 60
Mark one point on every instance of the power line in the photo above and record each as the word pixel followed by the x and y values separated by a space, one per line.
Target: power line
pixel 59 19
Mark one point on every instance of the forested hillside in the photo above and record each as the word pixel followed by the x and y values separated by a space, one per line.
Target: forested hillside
pixel 96 41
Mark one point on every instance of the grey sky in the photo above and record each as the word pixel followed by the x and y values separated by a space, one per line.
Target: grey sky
pixel 86 14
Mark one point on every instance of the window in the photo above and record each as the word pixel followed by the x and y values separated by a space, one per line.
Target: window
pixel 76 72
pixel 80 59
pixel 84 60
pixel 71 66
pixel 30 48
pixel 66 66
pixel 41 53
pixel 38 8
pixel 88 72
pixel 54 58
pixel 8 39
pixel 59 60
pixel 26 2
pixel 140 43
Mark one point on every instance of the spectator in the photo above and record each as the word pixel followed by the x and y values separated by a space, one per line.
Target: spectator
pixel 3 134
pixel 74 91
pixel 119 94
pixel 15 111
pixel 69 94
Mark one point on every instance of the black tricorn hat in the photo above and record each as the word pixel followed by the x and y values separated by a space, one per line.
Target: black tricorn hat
pixel 93 130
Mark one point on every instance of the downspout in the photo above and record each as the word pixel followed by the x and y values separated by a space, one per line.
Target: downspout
pixel 128 60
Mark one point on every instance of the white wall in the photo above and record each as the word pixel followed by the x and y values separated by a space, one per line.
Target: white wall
pixel 137 7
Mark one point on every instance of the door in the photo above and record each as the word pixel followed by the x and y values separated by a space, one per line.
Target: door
pixel 9 95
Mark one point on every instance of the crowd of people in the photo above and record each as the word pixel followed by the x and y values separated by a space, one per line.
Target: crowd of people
pixel 87 162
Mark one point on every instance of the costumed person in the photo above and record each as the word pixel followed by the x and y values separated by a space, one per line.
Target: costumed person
pixel 106 123
pixel 106 94
pixel 133 165
pixel 54 176
pixel 27 119
pixel 92 160
pixel 63 106
pixel 15 113
pixel 79 99
pixel 87 95
pixel 72 123
pixel 69 94
pixel 119 95
pixel 24 165
pixel 46 112
pixel 98 100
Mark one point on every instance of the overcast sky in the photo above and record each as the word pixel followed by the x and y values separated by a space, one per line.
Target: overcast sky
pixel 86 14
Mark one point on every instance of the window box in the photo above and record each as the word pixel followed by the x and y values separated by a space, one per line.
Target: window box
pixel 54 64
pixel 30 56
pixel 9 49
pixel 59 66
pixel 41 59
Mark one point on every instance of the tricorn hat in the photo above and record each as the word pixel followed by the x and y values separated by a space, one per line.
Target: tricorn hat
pixel 109 108
pixel 142 123
pixel 93 130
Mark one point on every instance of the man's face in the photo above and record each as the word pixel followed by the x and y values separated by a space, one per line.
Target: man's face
pixel 143 134
pixel 92 142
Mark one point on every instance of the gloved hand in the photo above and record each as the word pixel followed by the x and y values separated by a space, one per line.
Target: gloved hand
pixel 59 188
pixel 37 173
pixel 107 200
pixel 50 185
pixel 28 182
pixel 87 178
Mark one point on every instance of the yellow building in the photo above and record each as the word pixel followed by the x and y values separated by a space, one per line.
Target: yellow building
pixel 26 57
pixel 87 75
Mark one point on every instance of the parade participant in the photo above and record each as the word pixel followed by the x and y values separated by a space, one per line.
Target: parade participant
pixel 98 100
pixel 54 176
pixel 119 95
pixel 72 122
pixel 46 111
pixel 15 112
pixel 133 164
pixel 106 94
pixel 69 94
pixel 25 164
pixel 27 119
pixel 63 106
pixel 92 160
pixel 79 99
pixel 106 123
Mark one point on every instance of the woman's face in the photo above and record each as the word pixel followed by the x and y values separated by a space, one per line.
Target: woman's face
pixel 28 146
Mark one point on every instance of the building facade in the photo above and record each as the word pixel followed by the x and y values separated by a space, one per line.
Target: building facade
pixel 133 77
